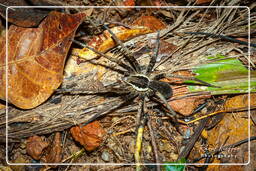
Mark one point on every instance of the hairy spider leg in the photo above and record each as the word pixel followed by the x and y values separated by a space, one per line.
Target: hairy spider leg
pixel 172 114
pixel 163 99
pixel 141 122
pixel 86 92
pixel 129 99
pixel 152 61
pixel 118 62
pixel 132 61
pixel 184 78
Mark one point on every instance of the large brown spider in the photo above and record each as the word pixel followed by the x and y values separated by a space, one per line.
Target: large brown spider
pixel 137 82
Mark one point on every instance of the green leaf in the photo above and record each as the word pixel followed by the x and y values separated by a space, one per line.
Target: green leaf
pixel 169 167
pixel 229 74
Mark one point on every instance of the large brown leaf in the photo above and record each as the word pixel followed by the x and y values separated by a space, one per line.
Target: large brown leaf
pixel 36 58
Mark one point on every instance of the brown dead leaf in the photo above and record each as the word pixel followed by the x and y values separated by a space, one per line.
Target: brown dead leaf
pixel 198 2
pixel 184 106
pixel 36 146
pixel 151 22
pixel 129 2
pixel 90 136
pixel 36 59
pixel 2 106
pixel 240 101
pixel 102 43
pixel 233 128
pixel 53 153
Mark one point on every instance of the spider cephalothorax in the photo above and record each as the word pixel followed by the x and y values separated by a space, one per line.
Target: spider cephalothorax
pixel 143 85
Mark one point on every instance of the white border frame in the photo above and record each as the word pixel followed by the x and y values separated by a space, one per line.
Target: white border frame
pixel 128 164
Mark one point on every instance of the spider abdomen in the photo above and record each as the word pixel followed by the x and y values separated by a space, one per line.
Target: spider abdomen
pixel 161 87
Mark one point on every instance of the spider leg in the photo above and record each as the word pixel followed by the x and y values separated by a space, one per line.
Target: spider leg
pixel 173 114
pixel 132 61
pixel 118 62
pixel 185 78
pixel 130 98
pixel 141 122
pixel 152 61
pixel 88 92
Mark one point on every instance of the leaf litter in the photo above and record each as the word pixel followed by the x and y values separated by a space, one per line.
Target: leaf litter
pixel 73 110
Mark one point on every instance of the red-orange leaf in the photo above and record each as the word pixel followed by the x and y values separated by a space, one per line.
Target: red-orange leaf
pixel 35 147
pixel 36 58
pixel 151 22
pixel 53 153
pixel 90 136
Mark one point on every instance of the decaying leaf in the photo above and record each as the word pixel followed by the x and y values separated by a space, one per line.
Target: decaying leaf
pixel 129 3
pixel 233 128
pixel 54 152
pixel 151 22
pixel 184 106
pixel 36 58
pixel 102 43
pixel 90 136
pixel 36 146
pixel 198 2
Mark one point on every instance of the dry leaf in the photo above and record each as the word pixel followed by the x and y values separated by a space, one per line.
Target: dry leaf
pixel 129 2
pixel 35 147
pixel 198 2
pixel 151 22
pixel 102 43
pixel 233 128
pixel 53 154
pixel 90 136
pixel 36 59
pixel 184 106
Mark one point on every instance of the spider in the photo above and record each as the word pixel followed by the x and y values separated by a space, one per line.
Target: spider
pixel 137 82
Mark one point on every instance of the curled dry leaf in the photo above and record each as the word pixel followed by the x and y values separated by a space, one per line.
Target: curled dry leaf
pixel 102 43
pixel 90 136
pixel 53 153
pixel 151 22
pixel 36 58
pixel 36 146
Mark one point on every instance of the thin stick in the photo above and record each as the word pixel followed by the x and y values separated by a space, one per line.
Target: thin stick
pixel 153 141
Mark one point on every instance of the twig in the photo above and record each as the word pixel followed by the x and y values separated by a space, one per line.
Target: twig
pixel 193 139
pixel 153 141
